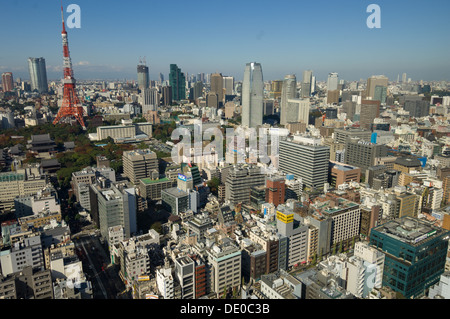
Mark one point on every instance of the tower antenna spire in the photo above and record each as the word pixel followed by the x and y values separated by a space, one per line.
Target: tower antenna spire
pixel 62 17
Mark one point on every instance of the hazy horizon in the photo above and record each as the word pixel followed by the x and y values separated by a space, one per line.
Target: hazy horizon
pixel 286 37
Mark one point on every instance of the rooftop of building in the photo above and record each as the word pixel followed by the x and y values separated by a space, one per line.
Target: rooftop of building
pixel 174 191
pixel 408 161
pixel 149 181
pixel 332 205
pixel 342 166
pixel 282 283
pixel 412 231
pixel 139 152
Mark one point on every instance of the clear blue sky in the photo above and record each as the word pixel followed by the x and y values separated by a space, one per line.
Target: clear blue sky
pixel 285 36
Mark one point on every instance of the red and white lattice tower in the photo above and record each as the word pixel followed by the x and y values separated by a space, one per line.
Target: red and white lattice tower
pixel 71 106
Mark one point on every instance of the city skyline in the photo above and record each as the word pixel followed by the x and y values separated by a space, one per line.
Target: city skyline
pixel 291 37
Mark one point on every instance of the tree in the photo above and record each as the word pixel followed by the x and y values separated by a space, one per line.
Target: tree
pixel 157 227
pixel 213 184
pixel 142 146
pixel 314 259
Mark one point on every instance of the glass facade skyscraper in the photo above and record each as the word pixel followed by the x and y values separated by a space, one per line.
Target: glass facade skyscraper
pixel 252 95
pixel 38 74
pixel 177 81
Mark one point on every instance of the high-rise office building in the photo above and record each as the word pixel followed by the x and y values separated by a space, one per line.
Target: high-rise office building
pixel 417 108
pixel 252 95
pixel 166 96
pixel 198 90
pixel 305 158
pixel 228 85
pixel 370 110
pixel 114 206
pixel 38 74
pixel 341 135
pixel 333 97
pixel 150 100
pixel 217 86
pixel 362 153
pixel 297 111
pixel 332 81
pixel 161 78
pixel 306 88
pixel 177 81
pixel 288 91
pixel 239 181
pixel 7 82
pixel 415 254
pixel 380 94
pixel 333 91
pixel 143 77
pixel 373 82
pixel 139 164
pixel 276 87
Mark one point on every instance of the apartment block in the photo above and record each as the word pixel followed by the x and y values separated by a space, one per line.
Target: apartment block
pixel 225 260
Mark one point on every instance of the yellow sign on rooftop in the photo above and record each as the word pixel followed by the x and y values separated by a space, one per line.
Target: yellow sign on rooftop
pixel 285 218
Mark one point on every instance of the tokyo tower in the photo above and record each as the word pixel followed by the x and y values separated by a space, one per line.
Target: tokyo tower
pixel 71 106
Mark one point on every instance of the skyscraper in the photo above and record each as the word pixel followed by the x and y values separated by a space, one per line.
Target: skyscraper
pixel 298 110
pixel 252 95
pixel 404 78
pixel 373 82
pixel 177 81
pixel 197 90
pixel 306 88
pixel 166 92
pixel 288 91
pixel 228 85
pixel 333 88
pixel 332 82
pixel 38 74
pixel 7 82
pixel 143 76
pixel 217 86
